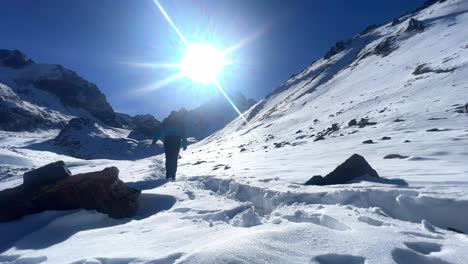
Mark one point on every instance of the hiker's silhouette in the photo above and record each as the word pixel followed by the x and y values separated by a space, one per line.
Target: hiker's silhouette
pixel 172 133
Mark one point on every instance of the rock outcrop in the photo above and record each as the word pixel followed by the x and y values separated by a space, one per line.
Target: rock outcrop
pixel 101 191
pixel 354 167
pixel 415 25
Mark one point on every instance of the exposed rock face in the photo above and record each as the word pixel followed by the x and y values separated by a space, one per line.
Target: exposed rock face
pixel 354 167
pixel 101 191
pixel 386 47
pixel 424 68
pixel 339 47
pixel 415 25
pixel 76 92
pixel 14 59
pixel 48 174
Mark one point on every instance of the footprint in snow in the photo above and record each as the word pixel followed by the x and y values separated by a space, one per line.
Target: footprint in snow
pixel 337 258
pixel 403 256
pixel 318 219
pixel 421 235
pixel 424 248
pixel 371 221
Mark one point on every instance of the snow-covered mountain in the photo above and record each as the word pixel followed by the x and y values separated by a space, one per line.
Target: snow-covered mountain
pixel 41 96
pixel 394 94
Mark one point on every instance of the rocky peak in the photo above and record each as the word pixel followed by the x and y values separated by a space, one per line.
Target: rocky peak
pixel 74 91
pixel 339 47
pixel 14 59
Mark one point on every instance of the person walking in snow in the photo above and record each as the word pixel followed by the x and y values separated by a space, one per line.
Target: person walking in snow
pixel 172 134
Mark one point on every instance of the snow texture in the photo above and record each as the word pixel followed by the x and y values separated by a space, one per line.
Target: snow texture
pixel 239 195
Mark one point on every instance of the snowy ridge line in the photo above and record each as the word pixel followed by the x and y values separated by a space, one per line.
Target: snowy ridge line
pixel 402 204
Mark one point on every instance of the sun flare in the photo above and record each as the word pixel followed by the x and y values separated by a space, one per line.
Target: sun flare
pixel 202 63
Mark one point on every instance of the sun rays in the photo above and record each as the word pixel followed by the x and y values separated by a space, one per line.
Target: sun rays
pixel 201 63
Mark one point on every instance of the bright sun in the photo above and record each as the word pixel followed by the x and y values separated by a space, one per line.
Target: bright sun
pixel 202 63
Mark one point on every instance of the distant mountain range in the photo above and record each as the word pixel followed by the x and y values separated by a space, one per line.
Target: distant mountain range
pixel 42 96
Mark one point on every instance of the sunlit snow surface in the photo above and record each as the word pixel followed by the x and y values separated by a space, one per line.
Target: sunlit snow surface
pixel 238 199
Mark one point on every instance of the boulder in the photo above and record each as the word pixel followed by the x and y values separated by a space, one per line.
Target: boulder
pixel 48 174
pixel 365 122
pixel 395 156
pixel 354 167
pixel 101 191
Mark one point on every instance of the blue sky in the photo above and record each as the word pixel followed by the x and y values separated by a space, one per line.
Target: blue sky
pixel 97 39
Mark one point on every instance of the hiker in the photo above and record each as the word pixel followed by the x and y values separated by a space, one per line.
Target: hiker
pixel 172 133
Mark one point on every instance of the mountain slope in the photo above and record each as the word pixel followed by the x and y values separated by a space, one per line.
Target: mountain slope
pixel 360 81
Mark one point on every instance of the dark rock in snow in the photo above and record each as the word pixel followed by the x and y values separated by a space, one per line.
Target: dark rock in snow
pixel 365 122
pixel 101 191
pixel 243 149
pixel 369 29
pixel 407 141
pixel 354 167
pixel 415 25
pixel 386 47
pixel 395 156
pixel 369 141
pixel 281 144
pixel 48 174
pixel 424 68
pixel 319 137
pixel 386 138
pixel 436 130
pixel 299 131
pixel 399 120
pixel 339 47
pixel 396 21
pixel 316 180
pixel 461 109
pixel 353 122
pixel 455 230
